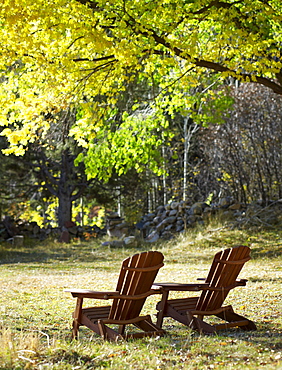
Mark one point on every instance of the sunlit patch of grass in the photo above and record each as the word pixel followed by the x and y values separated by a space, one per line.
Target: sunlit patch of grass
pixel 35 312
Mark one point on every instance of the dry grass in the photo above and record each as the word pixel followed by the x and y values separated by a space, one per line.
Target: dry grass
pixel 35 312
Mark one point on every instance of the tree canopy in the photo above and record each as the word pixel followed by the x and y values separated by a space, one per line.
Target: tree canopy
pixel 59 53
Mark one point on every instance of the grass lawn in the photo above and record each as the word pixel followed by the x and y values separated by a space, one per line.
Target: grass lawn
pixel 35 312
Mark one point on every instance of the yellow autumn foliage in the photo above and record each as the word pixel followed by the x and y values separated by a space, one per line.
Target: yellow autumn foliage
pixel 61 53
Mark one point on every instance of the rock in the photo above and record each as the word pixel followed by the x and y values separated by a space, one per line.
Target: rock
pixel 170 219
pixel 191 219
pixel 36 229
pixel 64 237
pixel 117 243
pixel 130 240
pixel 73 230
pixel 153 237
pixel 116 233
pixel 10 226
pixel 122 225
pixel 174 205
pixel 167 235
pixel 160 209
pixel 113 215
pixel 3 233
pixel 150 216
pixel 173 212
pixel 161 225
pixel 169 227
pixel 106 244
pixel 179 228
pixel 113 223
pixel 140 225
pixel 225 202
pixel 165 222
pixel 18 240
pixel 197 208
pixel 69 224
pixel 164 214
pixel 157 220
pixel 113 243
pixel 235 206
pixel 147 225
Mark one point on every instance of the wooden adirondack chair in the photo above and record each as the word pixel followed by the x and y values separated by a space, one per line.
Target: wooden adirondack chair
pixel 134 286
pixel 221 278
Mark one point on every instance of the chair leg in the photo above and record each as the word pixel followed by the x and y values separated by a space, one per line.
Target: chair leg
pixel 231 316
pixel 121 329
pixel 107 333
pixel 197 323
pixel 161 307
pixel 191 321
pixel 75 328
pixel 149 327
pixel 76 318
pixel 102 329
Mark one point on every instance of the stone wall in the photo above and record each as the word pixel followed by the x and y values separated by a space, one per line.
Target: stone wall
pixel 11 230
pixel 176 217
pixel 164 223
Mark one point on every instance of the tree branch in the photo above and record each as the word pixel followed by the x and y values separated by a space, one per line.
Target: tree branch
pixel 276 87
pixel 218 67
pixel 95 59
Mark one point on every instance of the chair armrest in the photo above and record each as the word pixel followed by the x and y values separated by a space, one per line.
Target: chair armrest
pixel 85 293
pixel 181 287
pixel 239 282
pixel 242 282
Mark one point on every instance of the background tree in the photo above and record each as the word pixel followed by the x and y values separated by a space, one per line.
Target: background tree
pixel 82 54
pixel 244 154
pixel 59 53
pixel 17 184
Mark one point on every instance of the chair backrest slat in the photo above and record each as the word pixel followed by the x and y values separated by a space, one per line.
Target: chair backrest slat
pixel 223 273
pixel 136 277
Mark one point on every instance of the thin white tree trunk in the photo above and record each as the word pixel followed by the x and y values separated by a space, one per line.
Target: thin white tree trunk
pixel 188 135
pixel 164 177
pixel 185 159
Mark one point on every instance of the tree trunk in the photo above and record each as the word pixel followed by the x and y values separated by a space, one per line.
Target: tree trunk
pixel 64 209
pixel 65 189
pixel 189 130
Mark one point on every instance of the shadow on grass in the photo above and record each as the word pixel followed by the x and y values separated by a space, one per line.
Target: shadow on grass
pixel 266 337
pixel 264 279
pixel 86 252
pixel 32 256
pixel 189 259
pixel 68 253
pixel 262 252
pixel 47 255
pixel 207 257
